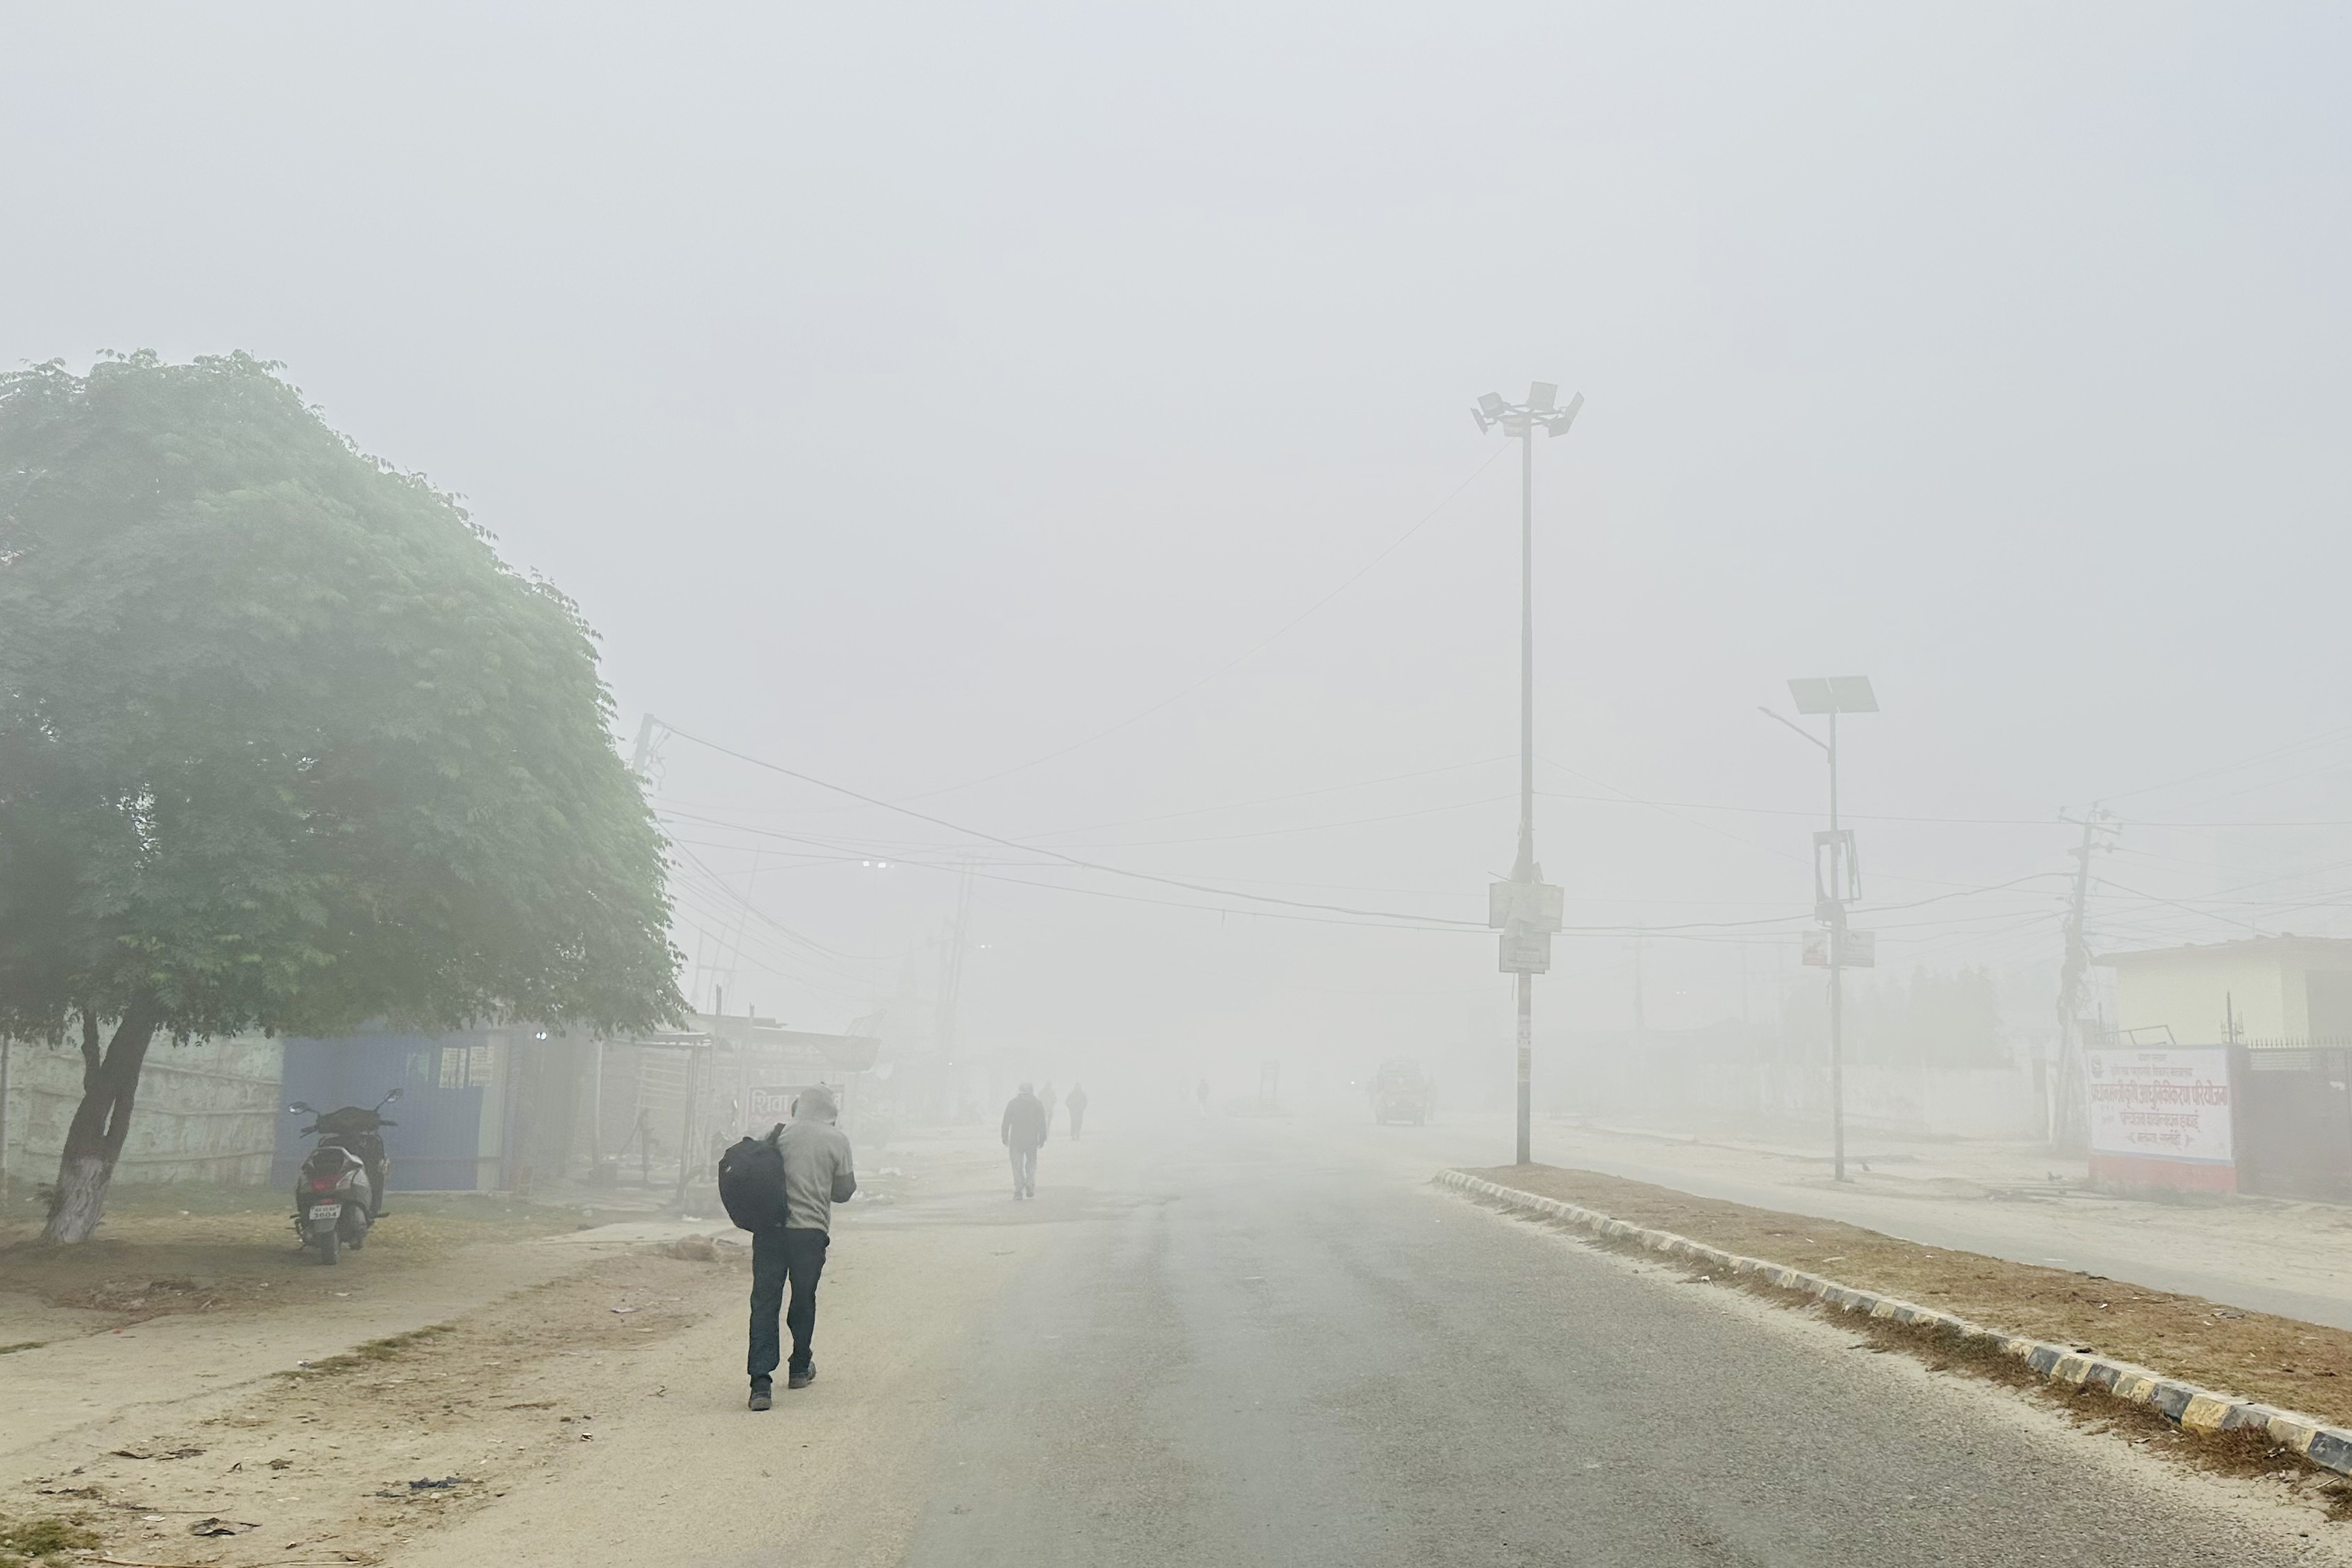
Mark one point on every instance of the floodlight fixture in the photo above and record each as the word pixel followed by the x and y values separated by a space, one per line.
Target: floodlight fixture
pixel 1542 407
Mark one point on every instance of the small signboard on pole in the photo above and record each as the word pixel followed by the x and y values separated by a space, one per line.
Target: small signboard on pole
pixel 1535 904
pixel 1527 913
pixel 1526 951
pixel 1858 951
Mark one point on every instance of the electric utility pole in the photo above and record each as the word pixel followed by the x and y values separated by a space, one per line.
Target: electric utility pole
pixel 643 755
pixel 1527 909
pixel 2069 1112
pixel 639 759
pixel 5 1044
pixel 952 970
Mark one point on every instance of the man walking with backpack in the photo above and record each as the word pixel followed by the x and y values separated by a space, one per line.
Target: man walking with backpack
pixel 784 1197
pixel 1023 1133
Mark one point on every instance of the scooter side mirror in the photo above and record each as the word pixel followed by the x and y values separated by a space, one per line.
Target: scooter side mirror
pixel 388 1099
pixel 301 1107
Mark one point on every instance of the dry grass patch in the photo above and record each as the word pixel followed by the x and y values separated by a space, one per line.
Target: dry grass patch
pixel 24 1541
pixel 389 1348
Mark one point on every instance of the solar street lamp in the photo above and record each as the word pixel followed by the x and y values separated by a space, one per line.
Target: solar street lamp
pixel 1837 880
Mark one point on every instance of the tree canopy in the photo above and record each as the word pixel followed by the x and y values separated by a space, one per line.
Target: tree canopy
pixel 283 743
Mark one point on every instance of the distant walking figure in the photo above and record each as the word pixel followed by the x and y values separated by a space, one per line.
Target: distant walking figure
pixel 1024 1134
pixel 1201 1094
pixel 1077 1104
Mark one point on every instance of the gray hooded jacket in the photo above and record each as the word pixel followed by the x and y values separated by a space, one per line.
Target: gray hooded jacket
pixel 817 1172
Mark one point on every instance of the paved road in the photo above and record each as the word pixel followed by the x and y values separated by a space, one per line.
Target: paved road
pixel 1257 1355
pixel 1241 1343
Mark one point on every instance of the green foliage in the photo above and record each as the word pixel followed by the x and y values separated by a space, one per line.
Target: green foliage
pixel 283 744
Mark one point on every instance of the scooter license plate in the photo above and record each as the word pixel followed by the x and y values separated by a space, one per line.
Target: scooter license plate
pixel 325 1211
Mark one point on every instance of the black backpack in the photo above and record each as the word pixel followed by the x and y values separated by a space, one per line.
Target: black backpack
pixel 751 1182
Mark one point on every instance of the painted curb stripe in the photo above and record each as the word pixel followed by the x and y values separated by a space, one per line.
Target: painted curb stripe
pixel 2185 1403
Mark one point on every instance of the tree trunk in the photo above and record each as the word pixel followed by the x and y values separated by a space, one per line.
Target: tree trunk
pixel 110 1083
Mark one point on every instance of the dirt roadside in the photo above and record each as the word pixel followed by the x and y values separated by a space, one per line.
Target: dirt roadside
pixel 107 1376
pixel 2279 1361
pixel 2288 1257
pixel 548 1423
pixel 349 1457
pixel 163 1251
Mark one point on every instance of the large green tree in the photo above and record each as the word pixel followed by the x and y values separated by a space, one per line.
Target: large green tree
pixel 284 745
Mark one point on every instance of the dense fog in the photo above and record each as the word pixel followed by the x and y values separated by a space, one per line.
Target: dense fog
pixel 1042 431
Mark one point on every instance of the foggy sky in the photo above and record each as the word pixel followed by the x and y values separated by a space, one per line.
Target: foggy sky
pixel 907 395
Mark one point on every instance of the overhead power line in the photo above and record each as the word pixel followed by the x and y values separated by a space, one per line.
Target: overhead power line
pixel 2321 739
pixel 1807 917
pixel 766 919
pixel 2172 903
pixel 1271 799
pixel 1794 811
pixel 1432 921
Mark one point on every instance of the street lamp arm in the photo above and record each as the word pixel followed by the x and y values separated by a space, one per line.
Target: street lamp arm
pixel 1791 724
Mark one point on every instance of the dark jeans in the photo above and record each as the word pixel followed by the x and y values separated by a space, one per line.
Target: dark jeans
pixel 777 1255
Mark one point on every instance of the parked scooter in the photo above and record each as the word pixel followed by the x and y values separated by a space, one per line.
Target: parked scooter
pixel 338 1191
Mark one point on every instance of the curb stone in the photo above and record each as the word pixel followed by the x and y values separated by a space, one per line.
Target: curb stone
pixel 2184 1404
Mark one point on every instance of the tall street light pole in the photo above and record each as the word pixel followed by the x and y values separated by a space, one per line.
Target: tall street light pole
pixel 1526 909
pixel 1837 879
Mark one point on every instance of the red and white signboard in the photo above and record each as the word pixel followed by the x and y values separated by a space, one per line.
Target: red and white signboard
pixel 2160 1116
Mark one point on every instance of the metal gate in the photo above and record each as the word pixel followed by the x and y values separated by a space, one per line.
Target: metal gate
pixel 2294 1136
pixel 437 1144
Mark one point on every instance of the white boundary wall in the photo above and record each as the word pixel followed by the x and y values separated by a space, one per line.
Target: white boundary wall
pixel 206 1112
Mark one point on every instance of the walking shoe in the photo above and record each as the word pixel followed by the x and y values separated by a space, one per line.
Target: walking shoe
pixel 761 1398
pixel 802 1376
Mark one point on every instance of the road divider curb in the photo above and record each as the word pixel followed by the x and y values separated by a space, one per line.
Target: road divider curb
pixel 2183 1403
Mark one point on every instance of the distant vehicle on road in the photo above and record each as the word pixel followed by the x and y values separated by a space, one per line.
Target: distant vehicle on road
pixel 1401 1091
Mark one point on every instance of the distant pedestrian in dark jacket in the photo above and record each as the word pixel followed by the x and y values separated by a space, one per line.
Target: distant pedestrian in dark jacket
pixel 817 1175
pixel 1023 1133
pixel 1077 1104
